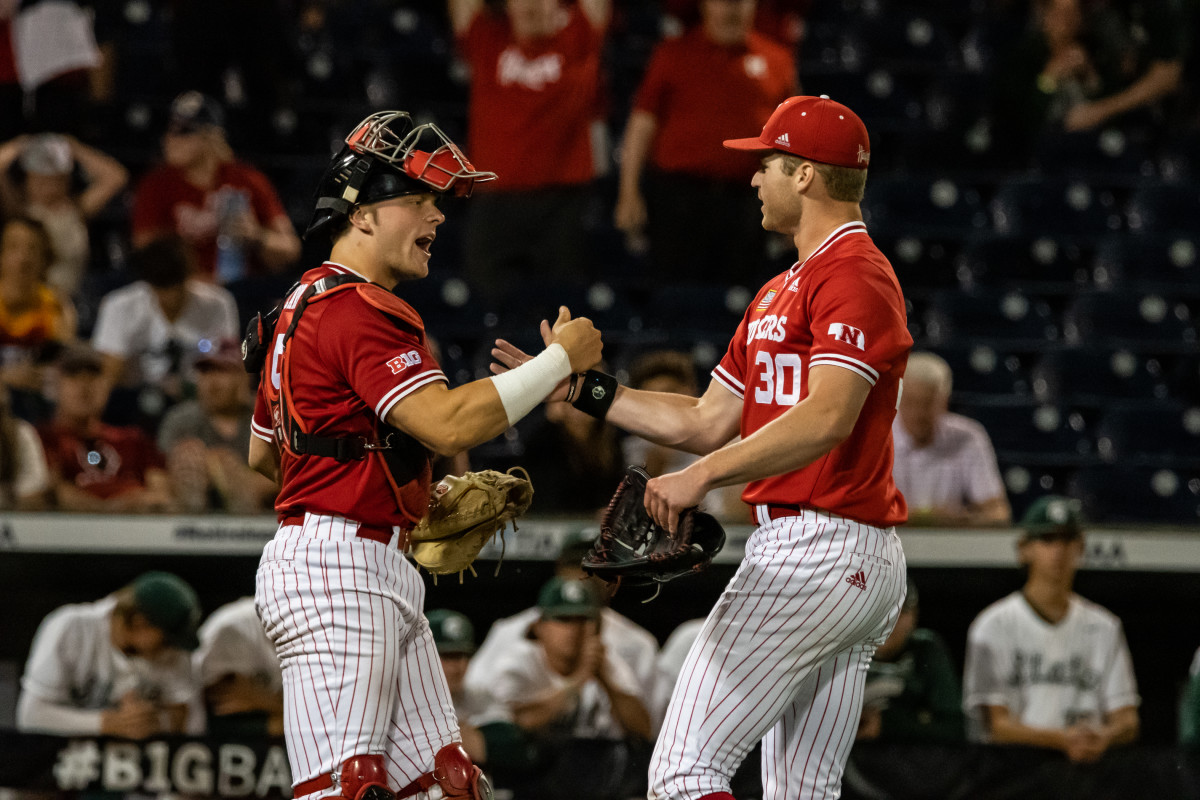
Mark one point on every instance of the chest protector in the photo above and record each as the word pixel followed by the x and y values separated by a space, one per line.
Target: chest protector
pixel 404 460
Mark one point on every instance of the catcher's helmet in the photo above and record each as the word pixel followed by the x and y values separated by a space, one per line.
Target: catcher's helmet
pixel 388 155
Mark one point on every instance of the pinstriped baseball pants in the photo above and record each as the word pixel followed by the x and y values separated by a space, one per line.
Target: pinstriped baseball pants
pixel 361 674
pixel 783 658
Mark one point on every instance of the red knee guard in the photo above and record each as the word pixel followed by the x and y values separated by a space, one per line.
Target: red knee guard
pixel 365 778
pixel 455 773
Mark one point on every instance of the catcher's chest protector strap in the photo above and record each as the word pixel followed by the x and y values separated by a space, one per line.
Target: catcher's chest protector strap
pixel 403 456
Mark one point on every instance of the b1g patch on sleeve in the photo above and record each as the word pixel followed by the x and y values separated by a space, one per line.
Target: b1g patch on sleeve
pixel 403 361
pixel 851 336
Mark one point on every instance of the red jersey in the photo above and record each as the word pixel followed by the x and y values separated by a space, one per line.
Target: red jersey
pixel 349 364
pixel 842 307
pixel 165 202
pixel 532 105
pixel 702 93
pixel 108 462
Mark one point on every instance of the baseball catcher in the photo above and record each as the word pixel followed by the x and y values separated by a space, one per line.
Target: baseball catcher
pixel 464 514
pixel 633 549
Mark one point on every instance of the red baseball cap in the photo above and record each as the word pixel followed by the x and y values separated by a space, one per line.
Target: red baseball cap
pixel 815 128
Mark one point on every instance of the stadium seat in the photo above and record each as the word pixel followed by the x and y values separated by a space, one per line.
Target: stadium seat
pixel 921 263
pixel 1047 206
pixel 1166 436
pixel 1024 483
pixel 1164 208
pixel 983 373
pixel 702 308
pixel 1107 153
pixel 1146 322
pixel 1035 434
pixel 1120 494
pixel 992 316
pixel 1165 262
pixel 1045 264
pixel 922 206
pixel 1098 378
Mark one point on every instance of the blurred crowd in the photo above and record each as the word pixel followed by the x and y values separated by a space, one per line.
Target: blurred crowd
pixel 571 693
pixel 126 279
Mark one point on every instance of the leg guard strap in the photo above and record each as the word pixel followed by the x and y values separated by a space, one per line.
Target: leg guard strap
pixel 362 778
pixel 454 772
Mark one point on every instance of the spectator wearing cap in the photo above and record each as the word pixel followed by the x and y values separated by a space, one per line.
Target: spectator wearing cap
pixel 678 184
pixel 238 670
pixel 215 202
pixel 623 639
pixel 35 320
pixel 1045 667
pixel 944 463
pixel 204 440
pixel 561 679
pixel 912 692
pixel 489 735
pixel 37 179
pixel 119 666
pixel 96 466
pixel 535 113
pixel 152 331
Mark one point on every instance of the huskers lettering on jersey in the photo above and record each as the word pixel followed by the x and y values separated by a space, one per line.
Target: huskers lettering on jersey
pixel 349 364
pixel 841 307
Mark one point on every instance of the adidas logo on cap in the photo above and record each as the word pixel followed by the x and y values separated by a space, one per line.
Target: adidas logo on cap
pixel 783 139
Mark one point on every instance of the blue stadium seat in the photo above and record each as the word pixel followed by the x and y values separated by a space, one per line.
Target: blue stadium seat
pixel 1045 264
pixel 983 373
pixel 1137 494
pixel 1098 378
pixel 700 308
pixel 1034 434
pixel 1166 436
pixel 1164 208
pixel 1025 483
pixel 993 316
pixel 1103 153
pixel 1041 206
pixel 921 263
pixel 922 206
pixel 1146 322
pixel 1164 262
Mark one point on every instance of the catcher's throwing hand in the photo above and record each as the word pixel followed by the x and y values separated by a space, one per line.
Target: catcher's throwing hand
pixel 669 495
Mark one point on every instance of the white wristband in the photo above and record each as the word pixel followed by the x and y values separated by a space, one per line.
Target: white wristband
pixel 523 387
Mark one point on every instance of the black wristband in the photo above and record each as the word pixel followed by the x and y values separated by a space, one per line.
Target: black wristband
pixel 595 393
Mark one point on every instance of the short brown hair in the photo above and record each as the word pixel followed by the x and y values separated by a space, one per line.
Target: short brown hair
pixel 663 363
pixel 843 183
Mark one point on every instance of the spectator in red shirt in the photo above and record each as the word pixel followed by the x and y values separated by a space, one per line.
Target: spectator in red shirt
pixel 94 466
pixel 533 111
pixel 678 184
pixel 226 209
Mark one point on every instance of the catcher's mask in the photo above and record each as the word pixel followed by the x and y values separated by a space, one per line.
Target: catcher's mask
pixel 388 155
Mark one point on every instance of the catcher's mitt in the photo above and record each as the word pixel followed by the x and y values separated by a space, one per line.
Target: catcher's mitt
pixel 632 549
pixel 464 514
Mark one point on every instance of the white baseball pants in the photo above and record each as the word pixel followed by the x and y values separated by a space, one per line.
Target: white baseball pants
pixel 783 658
pixel 361 674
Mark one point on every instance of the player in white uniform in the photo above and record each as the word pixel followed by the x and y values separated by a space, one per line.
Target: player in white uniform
pixel 811 381
pixel 621 636
pixel 119 666
pixel 1045 667
pixel 239 671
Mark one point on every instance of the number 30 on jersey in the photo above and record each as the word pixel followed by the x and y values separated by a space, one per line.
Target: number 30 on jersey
pixel 779 380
